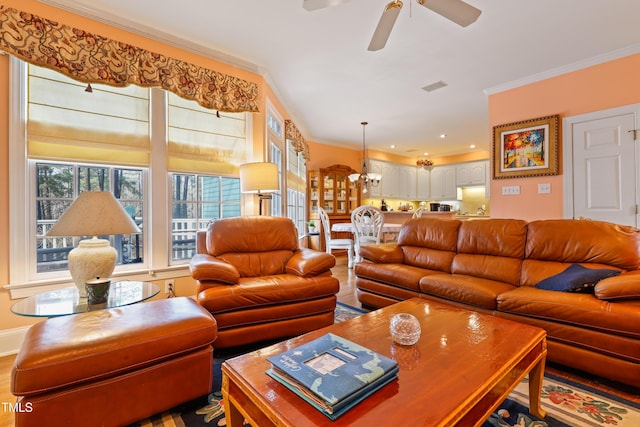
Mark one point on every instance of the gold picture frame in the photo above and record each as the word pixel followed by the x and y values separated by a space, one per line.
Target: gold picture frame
pixel 526 148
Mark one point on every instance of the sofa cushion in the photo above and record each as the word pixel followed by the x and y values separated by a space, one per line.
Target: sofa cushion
pixel 500 269
pixel 400 275
pixel 433 233
pixel 263 291
pixel 496 237
pixel 251 234
pixel 252 264
pixel 598 243
pixel 431 259
pixel 464 289
pixel 576 278
pixel 582 310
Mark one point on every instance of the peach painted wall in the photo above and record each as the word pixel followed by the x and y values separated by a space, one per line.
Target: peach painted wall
pixel 611 84
pixel 323 155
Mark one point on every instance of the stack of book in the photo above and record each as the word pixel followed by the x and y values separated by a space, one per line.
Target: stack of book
pixel 332 374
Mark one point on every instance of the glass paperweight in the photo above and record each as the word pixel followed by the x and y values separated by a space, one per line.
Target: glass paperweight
pixel 405 329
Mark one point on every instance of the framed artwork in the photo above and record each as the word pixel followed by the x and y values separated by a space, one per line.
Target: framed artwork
pixel 527 148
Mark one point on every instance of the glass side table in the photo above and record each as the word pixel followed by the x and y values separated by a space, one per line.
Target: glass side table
pixel 62 302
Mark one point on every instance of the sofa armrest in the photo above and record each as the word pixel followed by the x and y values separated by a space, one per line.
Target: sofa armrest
pixel 307 262
pixel 207 267
pixel 622 287
pixel 386 253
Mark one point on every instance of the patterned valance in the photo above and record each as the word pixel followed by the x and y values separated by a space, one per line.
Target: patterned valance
pixel 292 133
pixel 91 58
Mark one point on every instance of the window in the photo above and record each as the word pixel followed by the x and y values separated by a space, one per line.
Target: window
pixel 296 187
pixel 197 200
pixel 275 124
pixel 58 184
pixel 206 141
pixel 276 197
pixel 78 140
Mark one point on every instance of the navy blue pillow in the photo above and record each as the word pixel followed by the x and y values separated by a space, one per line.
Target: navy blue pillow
pixel 576 278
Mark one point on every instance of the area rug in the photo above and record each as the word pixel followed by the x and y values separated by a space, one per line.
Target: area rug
pixel 567 403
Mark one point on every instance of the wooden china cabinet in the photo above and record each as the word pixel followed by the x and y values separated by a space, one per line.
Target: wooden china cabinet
pixel 330 189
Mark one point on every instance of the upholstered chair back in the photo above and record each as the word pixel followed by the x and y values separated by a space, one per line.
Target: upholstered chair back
pixel 254 245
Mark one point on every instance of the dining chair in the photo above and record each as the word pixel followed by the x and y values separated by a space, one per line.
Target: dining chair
pixel 367 222
pixel 330 243
pixel 418 212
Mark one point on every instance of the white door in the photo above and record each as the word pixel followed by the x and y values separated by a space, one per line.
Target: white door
pixel 604 176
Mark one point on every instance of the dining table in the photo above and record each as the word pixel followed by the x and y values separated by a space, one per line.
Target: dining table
pixel 388 229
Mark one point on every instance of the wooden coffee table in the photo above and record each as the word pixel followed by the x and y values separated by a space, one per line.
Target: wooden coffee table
pixel 464 365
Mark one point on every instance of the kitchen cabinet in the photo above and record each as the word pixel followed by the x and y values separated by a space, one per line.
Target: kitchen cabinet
pixel 472 173
pixel 389 183
pixel 408 178
pixel 443 183
pixel 409 182
pixel 330 189
pixel 423 184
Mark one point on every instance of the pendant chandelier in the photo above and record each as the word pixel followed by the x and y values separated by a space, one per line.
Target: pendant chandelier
pixel 425 163
pixel 365 179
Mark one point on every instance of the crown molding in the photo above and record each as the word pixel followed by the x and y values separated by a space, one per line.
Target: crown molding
pixel 575 66
pixel 134 27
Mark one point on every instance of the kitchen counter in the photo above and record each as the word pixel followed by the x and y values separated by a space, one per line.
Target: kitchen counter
pixel 472 216
pixel 401 216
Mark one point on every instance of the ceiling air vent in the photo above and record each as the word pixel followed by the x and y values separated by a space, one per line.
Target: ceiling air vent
pixel 435 86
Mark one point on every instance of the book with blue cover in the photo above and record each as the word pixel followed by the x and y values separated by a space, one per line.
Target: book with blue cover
pixel 332 373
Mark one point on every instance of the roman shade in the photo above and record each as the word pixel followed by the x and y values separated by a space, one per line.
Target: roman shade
pixel 66 123
pixel 203 140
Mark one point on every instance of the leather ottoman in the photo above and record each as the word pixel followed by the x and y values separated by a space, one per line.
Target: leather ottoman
pixel 116 366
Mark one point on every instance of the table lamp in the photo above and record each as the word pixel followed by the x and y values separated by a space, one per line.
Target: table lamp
pixel 259 178
pixel 93 213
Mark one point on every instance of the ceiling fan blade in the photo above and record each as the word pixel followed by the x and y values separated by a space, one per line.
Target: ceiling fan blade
pixel 321 4
pixel 457 11
pixel 383 30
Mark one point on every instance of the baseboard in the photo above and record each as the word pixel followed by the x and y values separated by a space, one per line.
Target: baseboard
pixel 11 339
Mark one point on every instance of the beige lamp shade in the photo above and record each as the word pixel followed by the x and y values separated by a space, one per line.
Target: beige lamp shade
pixel 93 213
pixel 259 178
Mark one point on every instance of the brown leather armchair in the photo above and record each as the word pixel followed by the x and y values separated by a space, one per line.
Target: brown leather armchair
pixel 258 284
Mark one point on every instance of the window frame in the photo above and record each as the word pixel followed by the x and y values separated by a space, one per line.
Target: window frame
pixel 275 141
pixel 156 265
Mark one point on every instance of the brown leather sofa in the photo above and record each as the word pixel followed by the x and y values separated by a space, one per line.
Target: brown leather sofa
pixel 494 266
pixel 257 282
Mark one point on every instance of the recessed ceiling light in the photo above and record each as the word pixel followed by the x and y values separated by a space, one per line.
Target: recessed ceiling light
pixel 425 154
pixel 392 146
pixel 472 146
pixel 443 135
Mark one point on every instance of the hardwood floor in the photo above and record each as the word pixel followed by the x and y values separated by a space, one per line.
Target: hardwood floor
pixel 346 295
pixel 6 398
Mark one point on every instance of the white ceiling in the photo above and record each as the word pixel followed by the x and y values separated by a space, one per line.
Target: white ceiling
pixel 319 66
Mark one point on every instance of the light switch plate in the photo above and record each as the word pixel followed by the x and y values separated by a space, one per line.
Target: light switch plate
pixel 510 190
pixel 544 188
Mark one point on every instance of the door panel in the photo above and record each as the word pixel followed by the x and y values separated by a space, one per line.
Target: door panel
pixel 604 175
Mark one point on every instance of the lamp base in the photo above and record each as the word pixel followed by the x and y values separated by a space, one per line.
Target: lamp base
pixel 91 259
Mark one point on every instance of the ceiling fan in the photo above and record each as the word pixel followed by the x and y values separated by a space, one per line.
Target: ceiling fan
pixel 457 11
